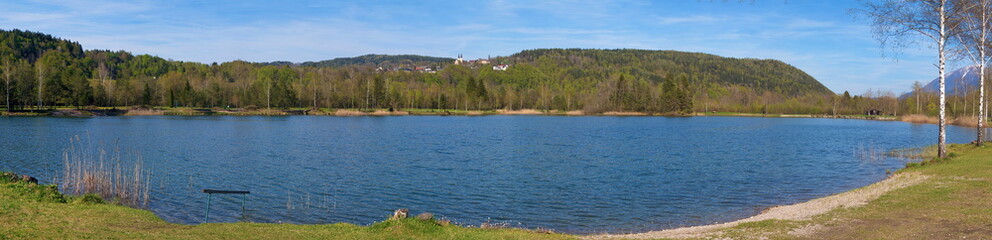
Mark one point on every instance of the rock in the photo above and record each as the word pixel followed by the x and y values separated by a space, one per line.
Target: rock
pixel 10 177
pixel 29 179
pixel 444 222
pixel 425 216
pixel 400 213
pixel 544 231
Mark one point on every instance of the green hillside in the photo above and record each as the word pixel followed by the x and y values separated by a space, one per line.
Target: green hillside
pixel 760 74
pixel 382 60
pixel 41 71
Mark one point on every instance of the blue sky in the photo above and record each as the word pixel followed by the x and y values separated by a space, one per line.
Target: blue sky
pixel 819 37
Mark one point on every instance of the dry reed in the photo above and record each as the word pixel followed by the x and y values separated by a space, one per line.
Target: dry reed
pixel 965 121
pixel 919 118
pixel 969 121
pixel 115 177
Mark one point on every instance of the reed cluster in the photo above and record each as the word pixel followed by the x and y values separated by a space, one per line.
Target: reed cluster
pixel 115 176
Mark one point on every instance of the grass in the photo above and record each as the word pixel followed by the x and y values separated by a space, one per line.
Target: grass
pixel 32 211
pixel 952 203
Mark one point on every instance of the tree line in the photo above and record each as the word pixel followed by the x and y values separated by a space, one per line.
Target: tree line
pixel 40 71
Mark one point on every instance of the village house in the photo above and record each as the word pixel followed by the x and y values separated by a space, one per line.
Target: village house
pixel 482 61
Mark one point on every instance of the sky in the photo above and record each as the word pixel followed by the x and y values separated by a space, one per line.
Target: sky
pixel 821 37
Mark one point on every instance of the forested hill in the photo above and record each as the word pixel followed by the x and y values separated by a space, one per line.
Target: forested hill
pixel 703 69
pixel 375 60
pixel 39 71
pixel 30 45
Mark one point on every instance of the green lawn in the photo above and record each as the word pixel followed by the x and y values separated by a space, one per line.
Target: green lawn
pixel 955 202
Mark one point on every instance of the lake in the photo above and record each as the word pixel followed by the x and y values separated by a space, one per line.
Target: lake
pixel 587 174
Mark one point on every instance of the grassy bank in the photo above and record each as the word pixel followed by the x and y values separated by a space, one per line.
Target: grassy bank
pixel 938 199
pixel 32 211
pixel 953 202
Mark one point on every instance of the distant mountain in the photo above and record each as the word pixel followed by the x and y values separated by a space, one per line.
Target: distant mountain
pixel 373 60
pixel 957 83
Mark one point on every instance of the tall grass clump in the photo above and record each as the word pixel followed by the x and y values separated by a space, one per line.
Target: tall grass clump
pixel 918 118
pixel 914 153
pixel 116 177
pixel 869 153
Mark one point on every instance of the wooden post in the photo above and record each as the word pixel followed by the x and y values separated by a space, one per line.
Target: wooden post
pixel 210 193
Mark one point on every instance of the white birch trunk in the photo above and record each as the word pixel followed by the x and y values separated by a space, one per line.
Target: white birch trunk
pixel 7 80
pixel 981 102
pixel 942 125
pixel 981 71
pixel 41 84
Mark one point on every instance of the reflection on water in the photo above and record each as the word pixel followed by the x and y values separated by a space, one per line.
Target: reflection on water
pixel 572 174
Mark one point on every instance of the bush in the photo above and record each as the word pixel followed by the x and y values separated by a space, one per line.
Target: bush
pixel 88 198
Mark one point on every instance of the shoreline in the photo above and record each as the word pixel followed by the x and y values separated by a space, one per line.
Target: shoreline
pixel 183 111
pixel 799 211
pixel 345 112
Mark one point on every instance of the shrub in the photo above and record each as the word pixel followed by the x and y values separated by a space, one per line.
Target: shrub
pixel 88 198
pixel 913 165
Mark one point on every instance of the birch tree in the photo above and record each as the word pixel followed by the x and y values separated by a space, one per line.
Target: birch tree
pixel 897 23
pixel 42 73
pixel 975 36
pixel 8 78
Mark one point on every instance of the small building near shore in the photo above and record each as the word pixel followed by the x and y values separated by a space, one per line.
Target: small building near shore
pixel 873 112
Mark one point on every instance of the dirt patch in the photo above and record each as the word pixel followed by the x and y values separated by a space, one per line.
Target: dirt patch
pixel 473 113
pixel 388 113
pixel 140 111
pixel 575 113
pixel 799 211
pixel 342 112
pixel 72 113
pixel 518 112
pixel 614 113
pixel 806 231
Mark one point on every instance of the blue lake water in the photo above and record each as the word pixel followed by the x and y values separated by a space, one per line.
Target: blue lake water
pixel 570 174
